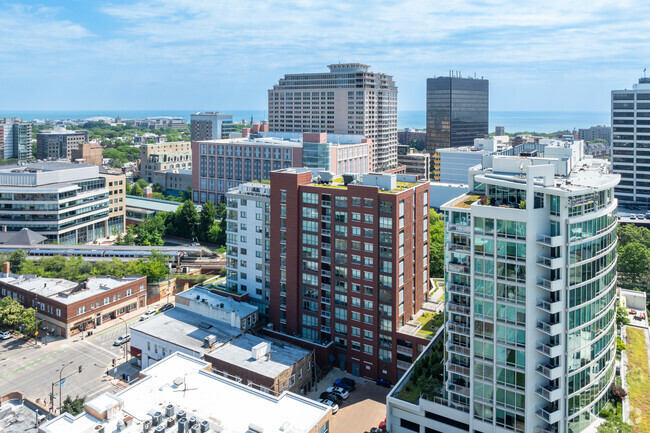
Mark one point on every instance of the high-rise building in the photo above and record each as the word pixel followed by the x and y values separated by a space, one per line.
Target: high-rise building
pixel 530 331
pixel 630 143
pixel 349 99
pixel 600 132
pixel 59 144
pixel 349 263
pixel 211 125
pixel 248 244
pixel 457 111
pixel 17 139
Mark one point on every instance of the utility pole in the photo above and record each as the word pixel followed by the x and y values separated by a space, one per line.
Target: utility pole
pixel 63 366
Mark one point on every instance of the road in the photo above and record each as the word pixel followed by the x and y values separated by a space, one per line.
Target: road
pixel 30 369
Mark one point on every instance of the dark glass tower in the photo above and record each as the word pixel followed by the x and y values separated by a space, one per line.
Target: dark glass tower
pixel 457 111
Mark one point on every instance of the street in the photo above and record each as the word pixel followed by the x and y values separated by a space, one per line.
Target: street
pixel 31 370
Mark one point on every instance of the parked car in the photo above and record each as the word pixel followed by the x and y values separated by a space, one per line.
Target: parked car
pixel 149 314
pixel 641 216
pixel 166 307
pixel 383 382
pixel 633 216
pixel 5 335
pixel 338 390
pixel 329 396
pixel 344 382
pixel 121 340
pixel 330 403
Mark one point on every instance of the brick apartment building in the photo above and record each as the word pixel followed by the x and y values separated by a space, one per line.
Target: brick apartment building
pixel 349 263
pixel 67 307
pixel 59 143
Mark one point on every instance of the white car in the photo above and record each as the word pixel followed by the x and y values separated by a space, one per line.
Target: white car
pixel 5 335
pixel 149 314
pixel 633 216
pixel 330 403
pixel 338 391
pixel 121 340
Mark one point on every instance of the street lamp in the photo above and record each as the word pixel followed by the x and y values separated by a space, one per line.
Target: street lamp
pixel 60 379
pixel 126 329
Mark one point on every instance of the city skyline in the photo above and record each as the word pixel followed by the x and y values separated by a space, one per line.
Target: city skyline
pixel 161 54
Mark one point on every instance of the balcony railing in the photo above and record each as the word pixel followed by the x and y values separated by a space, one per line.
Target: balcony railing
pixel 325 246
pixel 549 393
pixel 326 259
pixel 459 228
pixel 548 306
pixel 404 350
pixel 550 350
pixel 550 328
pixel 458 369
pixel 549 262
pixel 550 285
pixel 459 248
pixel 461 329
pixel 549 414
pixel 458 349
pixel 325 314
pixel 550 241
pixel 326 203
pixel 458 389
pixel 458 288
pixel 403 364
pixel 547 429
pixel 458 308
pixel 550 372
pixel 457 267
pixel 325 232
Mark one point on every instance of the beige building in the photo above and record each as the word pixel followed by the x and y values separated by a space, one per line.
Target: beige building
pixel 116 184
pixel 415 163
pixel 164 156
pixel 349 99
pixel 87 153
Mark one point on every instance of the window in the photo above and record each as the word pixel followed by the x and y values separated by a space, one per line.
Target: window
pixel 81 310
pixel 367 349
pixel 340 201
pixel 355 332
pixel 385 222
pixel 356 216
pixel 308 198
pixel 367 334
pixel 367 319
pixel 368 218
pixel 367 304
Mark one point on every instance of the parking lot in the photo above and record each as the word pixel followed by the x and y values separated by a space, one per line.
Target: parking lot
pixel 364 409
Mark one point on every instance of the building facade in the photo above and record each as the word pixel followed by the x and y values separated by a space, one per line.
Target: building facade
pixel 457 111
pixel 412 137
pixel 164 156
pixel 17 139
pixel 59 143
pixel 248 243
pixel 67 308
pixel 116 185
pixel 173 181
pixel 349 99
pixel 67 203
pixel 88 153
pixel 349 263
pixel 416 163
pixel 630 143
pixel 600 132
pixel 530 332
pixel 224 164
pixel 211 125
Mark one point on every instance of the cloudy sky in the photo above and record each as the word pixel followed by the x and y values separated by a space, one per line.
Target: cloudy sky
pixel 218 54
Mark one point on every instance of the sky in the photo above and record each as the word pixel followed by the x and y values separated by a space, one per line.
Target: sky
pixel 218 54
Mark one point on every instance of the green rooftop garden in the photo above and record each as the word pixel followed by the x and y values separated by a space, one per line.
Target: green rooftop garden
pixel 426 377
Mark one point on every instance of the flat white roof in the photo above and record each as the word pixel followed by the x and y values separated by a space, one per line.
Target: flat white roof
pixel 228 406
pixel 202 294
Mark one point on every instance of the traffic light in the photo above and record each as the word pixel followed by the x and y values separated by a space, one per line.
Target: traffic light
pixel 81 368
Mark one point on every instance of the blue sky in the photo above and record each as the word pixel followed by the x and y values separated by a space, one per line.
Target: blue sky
pixel 217 54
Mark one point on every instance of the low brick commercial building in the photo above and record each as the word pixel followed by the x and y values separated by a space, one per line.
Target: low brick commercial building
pixel 67 308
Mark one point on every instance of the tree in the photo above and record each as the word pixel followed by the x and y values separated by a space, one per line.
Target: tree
pixel 634 258
pixel 628 233
pixel 621 316
pixel 142 183
pixel 207 218
pixel 136 190
pixel 28 322
pixel 73 407
pixel 614 425
pixel 11 311
pixel 436 245
pixel 187 220
pixel 16 259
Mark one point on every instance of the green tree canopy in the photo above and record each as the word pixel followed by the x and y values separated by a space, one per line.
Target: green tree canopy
pixel 136 190
pixel 207 217
pixel 634 258
pixel 73 407
pixel 436 245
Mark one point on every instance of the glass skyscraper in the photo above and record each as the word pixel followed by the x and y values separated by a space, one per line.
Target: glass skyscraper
pixel 457 111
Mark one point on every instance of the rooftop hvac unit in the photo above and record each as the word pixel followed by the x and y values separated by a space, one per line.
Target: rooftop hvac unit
pixel 169 410
pixel 181 413
pixel 192 421
pixel 170 422
pixel 196 428
pixel 99 429
pixel 255 428
pixel 183 425
pixel 160 429
pixel 205 426
pixel 178 382
pixel 157 417
pixel 146 426
pixel 210 340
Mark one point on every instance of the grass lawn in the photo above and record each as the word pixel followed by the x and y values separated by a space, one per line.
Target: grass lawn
pixel 428 329
pixel 638 380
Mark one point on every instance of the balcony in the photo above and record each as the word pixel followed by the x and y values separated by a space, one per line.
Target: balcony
pixel 457 288
pixel 326 218
pixel 455 348
pixel 549 414
pixel 326 300
pixel 455 368
pixel 549 263
pixel 326 203
pixel 549 393
pixel 458 268
pixel 461 329
pixel 550 241
pixel 550 307
pixel 325 273
pixel 324 286
pixel 325 329
pixel 459 248
pixel 458 308
pixel 549 328
pixel 403 364
pixel 459 228
pixel 326 259
pixel 550 372
pixel 550 285
pixel 550 350
pixel 545 429
pixel 325 232
pixel 325 314
pixel 325 246
pixel 404 350
pixel 458 389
